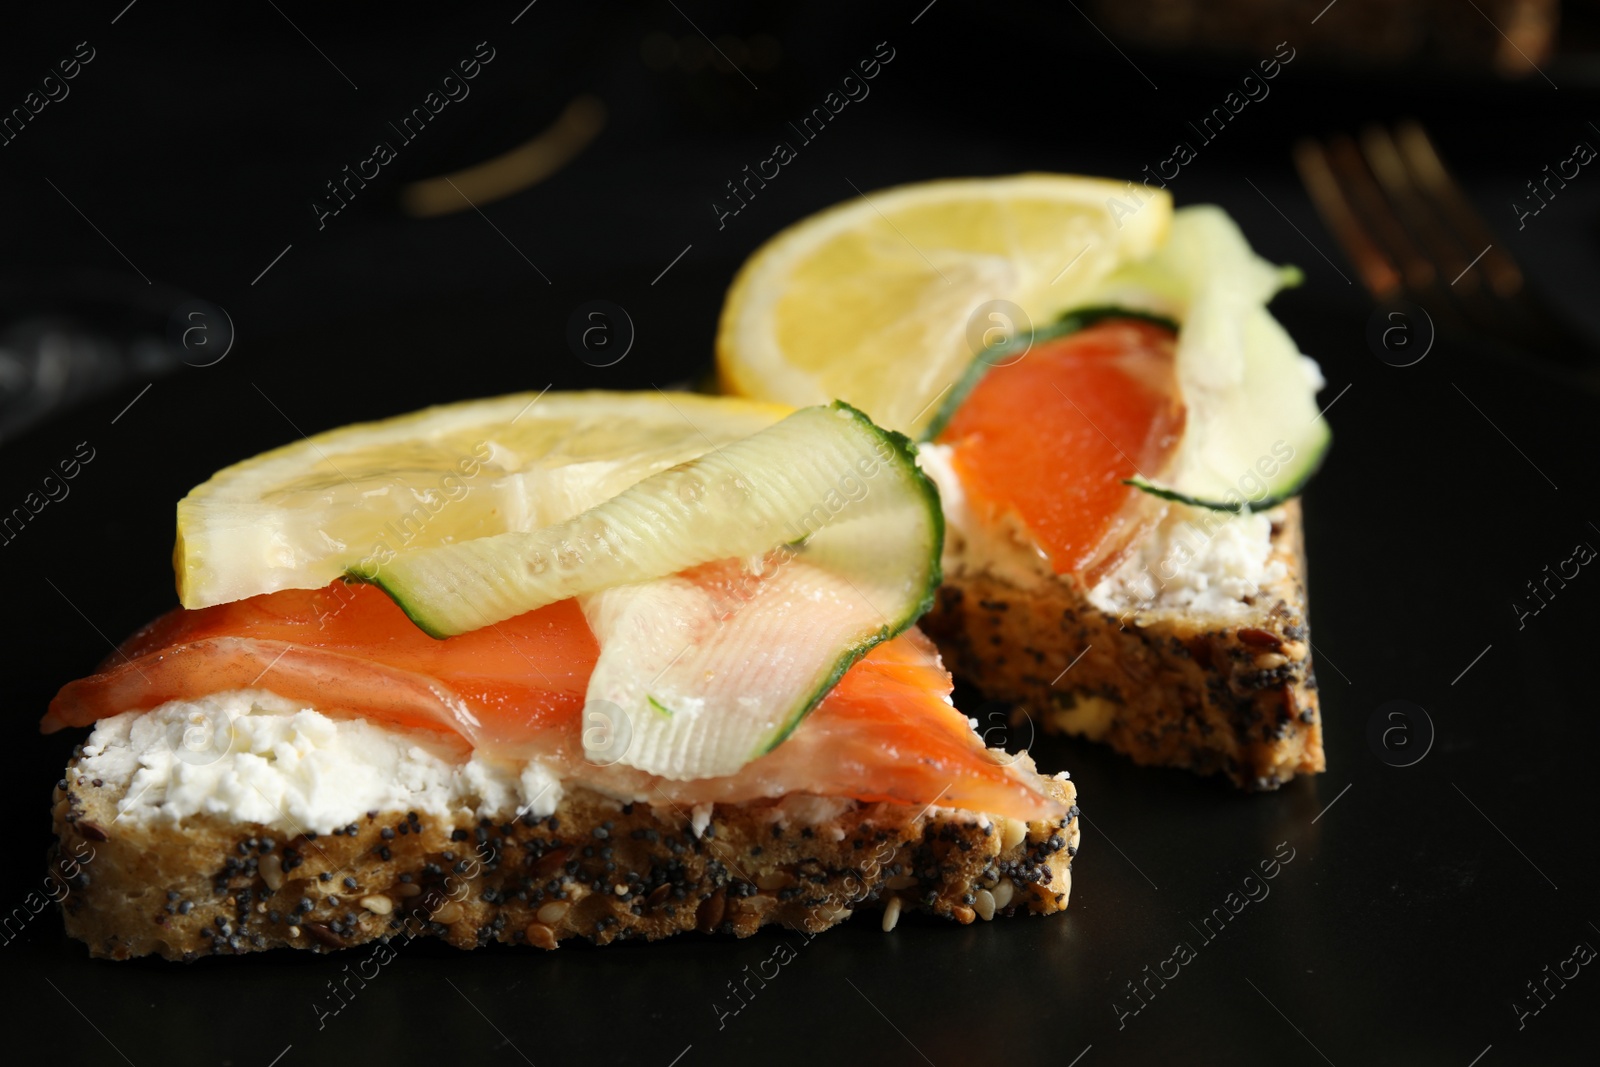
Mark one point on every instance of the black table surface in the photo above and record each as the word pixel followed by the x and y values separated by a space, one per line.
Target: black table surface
pixel 1420 914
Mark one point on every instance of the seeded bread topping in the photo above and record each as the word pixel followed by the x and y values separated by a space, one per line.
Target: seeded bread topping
pixel 1228 691
pixel 598 869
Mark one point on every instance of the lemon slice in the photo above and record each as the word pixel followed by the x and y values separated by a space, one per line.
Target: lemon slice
pixel 884 300
pixel 300 516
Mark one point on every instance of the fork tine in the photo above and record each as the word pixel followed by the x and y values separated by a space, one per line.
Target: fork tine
pixel 1414 211
pixel 1377 271
pixel 1429 172
pixel 1519 315
pixel 1350 170
pixel 1381 204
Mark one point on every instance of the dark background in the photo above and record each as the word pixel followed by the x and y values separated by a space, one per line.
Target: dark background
pixel 186 158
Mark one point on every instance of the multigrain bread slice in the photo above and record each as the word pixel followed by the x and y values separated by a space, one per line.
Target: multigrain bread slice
pixel 1226 691
pixel 597 868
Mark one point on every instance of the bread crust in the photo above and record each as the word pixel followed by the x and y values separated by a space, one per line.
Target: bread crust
pixel 1235 696
pixel 597 869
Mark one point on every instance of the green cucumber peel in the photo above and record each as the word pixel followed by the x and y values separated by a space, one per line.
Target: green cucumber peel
pixel 1242 378
pixel 839 503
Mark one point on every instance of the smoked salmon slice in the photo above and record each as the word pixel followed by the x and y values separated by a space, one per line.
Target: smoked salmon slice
pixel 1051 438
pixel 348 647
pixel 886 732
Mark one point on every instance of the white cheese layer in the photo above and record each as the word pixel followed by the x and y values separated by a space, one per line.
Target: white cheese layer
pixel 1196 560
pixel 254 756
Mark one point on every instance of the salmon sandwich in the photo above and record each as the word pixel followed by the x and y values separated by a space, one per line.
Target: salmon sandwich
pixel 595 664
pixel 1119 429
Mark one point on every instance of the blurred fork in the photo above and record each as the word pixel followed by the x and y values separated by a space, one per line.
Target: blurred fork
pixel 1409 230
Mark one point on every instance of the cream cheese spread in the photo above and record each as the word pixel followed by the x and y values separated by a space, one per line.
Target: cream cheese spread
pixel 250 755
